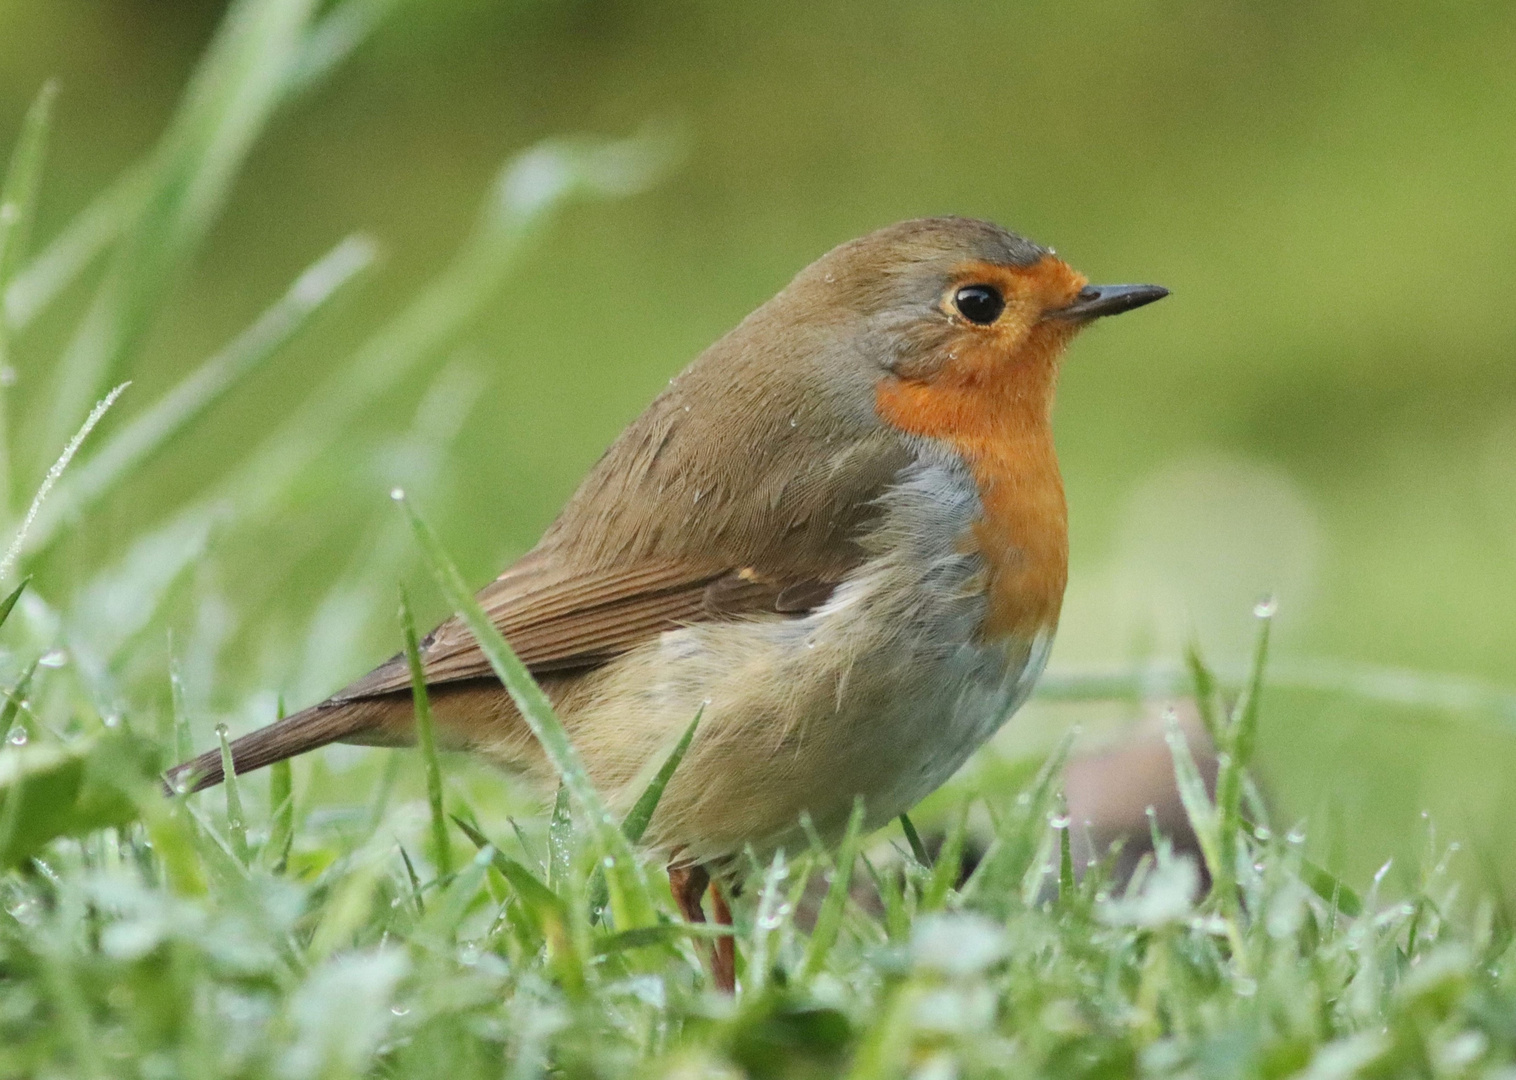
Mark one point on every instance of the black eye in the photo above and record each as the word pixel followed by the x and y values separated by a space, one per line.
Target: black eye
pixel 980 304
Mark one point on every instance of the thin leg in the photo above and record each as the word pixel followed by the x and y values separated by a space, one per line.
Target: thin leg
pixel 688 885
pixel 723 949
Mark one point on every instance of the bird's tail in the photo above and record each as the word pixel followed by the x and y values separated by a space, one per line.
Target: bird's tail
pixel 335 721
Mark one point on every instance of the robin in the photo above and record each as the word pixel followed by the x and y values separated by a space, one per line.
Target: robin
pixel 841 533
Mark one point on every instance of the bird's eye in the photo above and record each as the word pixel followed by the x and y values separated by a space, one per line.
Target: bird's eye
pixel 980 304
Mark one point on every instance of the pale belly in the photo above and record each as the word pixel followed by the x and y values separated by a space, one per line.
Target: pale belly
pixel 881 693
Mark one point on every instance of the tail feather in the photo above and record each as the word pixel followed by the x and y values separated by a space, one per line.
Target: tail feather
pixel 308 729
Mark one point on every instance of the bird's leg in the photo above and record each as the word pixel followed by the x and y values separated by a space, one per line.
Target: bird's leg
pixel 688 884
pixel 724 948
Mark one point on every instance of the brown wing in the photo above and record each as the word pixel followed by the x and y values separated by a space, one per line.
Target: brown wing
pixel 693 514
pixel 558 624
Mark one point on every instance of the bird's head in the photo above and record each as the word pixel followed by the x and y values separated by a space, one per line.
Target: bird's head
pixel 956 325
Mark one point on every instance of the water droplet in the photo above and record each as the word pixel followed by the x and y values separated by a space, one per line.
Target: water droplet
pixel 17 737
pixel 1261 832
pixel 794 422
pixel 399 1010
pixel 1407 909
pixel 1266 608
pixel 1059 821
pixel 831 278
pixel 1295 836
pixel 686 408
pixel 53 658
pixel 397 493
pixel 221 730
pixel 112 720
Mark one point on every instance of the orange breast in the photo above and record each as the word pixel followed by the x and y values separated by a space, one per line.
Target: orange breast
pixel 996 411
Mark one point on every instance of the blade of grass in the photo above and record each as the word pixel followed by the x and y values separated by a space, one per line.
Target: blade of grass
pixel 632 902
pixel 23 181
pixel 415 882
pixel 560 842
pixel 136 443
pixel 642 811
pixel 14 699
pixel 281 797
pixel 829 918
pixel 1235 753
pixel 230 99
pixel 547 911
pixel 636 821
pixel 1003 871
pixel 10 601
pixel 663 934
pixel 766 921
pixel 14 551
pixel 236 824
pixel 913 838
pixel 949 863
pixel 426 741
pixel 332 40
pixel 18 205
pixel 184 745
pixel 1204 683
pixel 1066 884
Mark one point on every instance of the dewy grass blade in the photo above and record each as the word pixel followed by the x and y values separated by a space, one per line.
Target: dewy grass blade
pixel 829 918
pixel 1002 872
pixel 547 911
pixel 135 443
pixel 14 551
pixel 631 899
pixel 230 98
pixel 647 803
pixel 426 741
pixel 1236 753
pixel 560 841
pixel 236 824
pixel 13 700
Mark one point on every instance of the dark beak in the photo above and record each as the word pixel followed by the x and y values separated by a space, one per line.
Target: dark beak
pixel 1094 301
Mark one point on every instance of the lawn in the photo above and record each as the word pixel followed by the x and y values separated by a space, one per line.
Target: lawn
pixel 405 913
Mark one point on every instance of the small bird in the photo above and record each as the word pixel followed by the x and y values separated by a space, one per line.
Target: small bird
pixel 840 535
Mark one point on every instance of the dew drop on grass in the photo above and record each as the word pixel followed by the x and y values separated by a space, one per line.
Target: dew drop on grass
pixel 17 737
pixel 1295 836
pixel 397 493
pixel 1266 608
pixel 1059 821
pixel 399 1010
pixel 53 658
pixel 1262 833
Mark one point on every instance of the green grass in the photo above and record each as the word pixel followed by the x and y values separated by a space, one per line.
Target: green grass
pixel 411 915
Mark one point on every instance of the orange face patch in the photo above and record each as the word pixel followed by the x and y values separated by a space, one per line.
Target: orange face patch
pixel 991 399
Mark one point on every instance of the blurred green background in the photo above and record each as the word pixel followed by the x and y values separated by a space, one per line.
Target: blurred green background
pixel 1325 409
